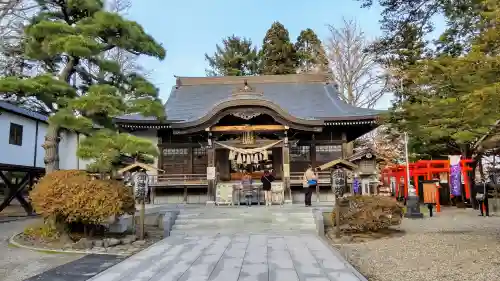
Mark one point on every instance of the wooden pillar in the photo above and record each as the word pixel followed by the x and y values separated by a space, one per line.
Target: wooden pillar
pixel 211 173
pixel 286 170
pixel 312 150
pixel 344 146
pixel 159 143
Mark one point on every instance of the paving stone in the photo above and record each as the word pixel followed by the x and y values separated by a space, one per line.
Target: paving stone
pixel 259 257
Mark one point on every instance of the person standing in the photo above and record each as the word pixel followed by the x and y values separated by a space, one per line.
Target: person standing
pixel 310 182
pixel 481 189
pixel 246 183
pixel 266 180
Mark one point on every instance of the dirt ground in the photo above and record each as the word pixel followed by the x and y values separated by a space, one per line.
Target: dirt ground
pixel 456 244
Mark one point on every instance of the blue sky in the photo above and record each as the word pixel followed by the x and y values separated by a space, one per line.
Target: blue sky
pixel 190 28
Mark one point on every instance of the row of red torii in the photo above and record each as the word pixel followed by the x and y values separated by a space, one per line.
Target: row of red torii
pixel 429 170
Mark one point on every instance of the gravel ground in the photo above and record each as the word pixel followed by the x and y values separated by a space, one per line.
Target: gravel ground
pixel 455 245
pixel 18 264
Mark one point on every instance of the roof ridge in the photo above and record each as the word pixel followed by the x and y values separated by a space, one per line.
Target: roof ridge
pixel 259 79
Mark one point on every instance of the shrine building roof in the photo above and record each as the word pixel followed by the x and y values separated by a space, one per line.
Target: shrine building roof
pixel 301 96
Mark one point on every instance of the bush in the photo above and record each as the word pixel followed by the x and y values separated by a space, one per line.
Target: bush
pixel 73 196
pixel 369 213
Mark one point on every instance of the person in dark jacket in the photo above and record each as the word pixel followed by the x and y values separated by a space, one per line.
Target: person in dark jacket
pixel 266 180
pixel 482 190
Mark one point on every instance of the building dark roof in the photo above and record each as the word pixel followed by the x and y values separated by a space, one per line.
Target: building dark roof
pixel 304 96
pixel 23 111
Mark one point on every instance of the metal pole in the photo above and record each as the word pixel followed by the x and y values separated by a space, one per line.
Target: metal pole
pixel 407 162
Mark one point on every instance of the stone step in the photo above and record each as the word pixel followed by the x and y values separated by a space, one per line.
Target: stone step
pixel 281 232
pixel 215 215
pixel 246 226
pixel 223 221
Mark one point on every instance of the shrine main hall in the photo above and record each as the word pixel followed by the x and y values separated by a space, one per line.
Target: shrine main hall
pixel 218 128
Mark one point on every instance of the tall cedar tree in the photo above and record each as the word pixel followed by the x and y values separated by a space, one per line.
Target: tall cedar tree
pixel 455 85
pixel 278 55
pixel 311 55
pixel 68 38
pixel 236 57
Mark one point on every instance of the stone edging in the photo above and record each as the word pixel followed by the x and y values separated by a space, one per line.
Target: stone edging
pixel 168 221
pixel 358 274
pixel 60 251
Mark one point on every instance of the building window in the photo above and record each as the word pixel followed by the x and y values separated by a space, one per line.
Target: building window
pixel 16 134
pixel 175 151
pixel 200 151
pixel 328 148
pixel 327 153
pixel 300 153
pixel 367 165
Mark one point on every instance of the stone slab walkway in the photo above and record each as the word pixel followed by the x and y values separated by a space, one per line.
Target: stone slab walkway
pixel 246 257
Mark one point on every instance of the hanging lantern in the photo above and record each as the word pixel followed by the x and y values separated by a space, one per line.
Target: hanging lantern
pixel 338 181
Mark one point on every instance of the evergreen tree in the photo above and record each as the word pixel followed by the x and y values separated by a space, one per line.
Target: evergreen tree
pixel 278 54
pixel 236 57
pixel 449 97
pixel 311 55
pixel 67 39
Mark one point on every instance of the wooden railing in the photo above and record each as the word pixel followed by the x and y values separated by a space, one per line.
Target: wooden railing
pixel 178 180
pixel 296 178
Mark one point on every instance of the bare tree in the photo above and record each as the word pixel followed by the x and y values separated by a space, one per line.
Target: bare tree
pixel 362 81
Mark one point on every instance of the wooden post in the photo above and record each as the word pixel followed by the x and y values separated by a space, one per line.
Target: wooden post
pixel 286 170
pixel 142 219
pixel 312 151
pixel 337 216
pixel 344 145
pixel 211 164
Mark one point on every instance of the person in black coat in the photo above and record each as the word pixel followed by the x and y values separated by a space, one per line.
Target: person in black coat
pixel 266 180
pixel 483 191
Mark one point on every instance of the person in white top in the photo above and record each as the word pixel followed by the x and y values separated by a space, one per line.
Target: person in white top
pixel 310 182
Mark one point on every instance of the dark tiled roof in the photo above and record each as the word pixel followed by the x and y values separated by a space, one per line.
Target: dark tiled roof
pixel 299 95
pixel 23 111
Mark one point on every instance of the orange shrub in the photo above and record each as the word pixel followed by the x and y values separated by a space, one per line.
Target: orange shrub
pixel 73 196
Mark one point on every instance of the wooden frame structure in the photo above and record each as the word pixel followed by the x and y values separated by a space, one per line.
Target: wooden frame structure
pixel 15 189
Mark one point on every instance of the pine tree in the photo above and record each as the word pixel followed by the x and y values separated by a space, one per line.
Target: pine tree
pixel 236 57
pixel 278 53
pixel 456 85
pixel 311 55
pixel 67 39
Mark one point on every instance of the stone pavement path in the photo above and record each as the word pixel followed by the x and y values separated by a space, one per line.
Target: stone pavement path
pixel 17 264
pixel 245 257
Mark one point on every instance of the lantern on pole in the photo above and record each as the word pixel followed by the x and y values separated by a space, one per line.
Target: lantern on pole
pixel 338 180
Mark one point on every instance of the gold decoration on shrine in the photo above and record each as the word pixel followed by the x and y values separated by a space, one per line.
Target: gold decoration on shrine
pixel 248 137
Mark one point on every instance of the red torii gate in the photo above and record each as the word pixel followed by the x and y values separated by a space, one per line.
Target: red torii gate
pixel 429 169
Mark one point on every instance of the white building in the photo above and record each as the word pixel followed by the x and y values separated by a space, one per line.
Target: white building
pixel 22 136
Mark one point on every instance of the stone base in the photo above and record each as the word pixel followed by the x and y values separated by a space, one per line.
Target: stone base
pixel 210 203
pixel 414 215
pixel 288 202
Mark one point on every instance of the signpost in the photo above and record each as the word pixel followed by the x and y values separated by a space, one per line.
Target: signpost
pixel 338 180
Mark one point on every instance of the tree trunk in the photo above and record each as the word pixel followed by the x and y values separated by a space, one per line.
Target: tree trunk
pixel 51 146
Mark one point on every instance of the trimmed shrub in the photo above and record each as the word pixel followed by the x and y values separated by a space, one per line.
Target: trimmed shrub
pixel 74 196
pixel 369 213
